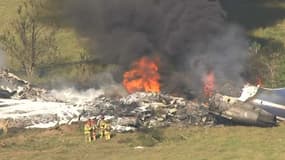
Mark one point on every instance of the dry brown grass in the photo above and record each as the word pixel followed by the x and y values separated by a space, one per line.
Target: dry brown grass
pixel 216 143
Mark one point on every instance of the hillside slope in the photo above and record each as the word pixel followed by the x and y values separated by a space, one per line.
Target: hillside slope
pixel 217 143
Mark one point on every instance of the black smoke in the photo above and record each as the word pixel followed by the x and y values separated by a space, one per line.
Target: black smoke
pixel 189 36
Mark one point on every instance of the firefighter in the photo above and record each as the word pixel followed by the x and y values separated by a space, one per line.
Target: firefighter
pixel 107 131
pixel 88 130
pixel 102 126
pixel 93 130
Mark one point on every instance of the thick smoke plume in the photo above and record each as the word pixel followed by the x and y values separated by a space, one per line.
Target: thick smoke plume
pixel 225 55
pixel 189 36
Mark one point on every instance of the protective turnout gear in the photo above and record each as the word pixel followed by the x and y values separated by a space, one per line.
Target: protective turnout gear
pixel 90 130
pixel 93 130
pixel 105 128
pixel 87 131
pixel 107 131
pixel 102 126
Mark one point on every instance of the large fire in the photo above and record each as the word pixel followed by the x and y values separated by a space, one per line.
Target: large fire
pixel 143 76
pixel 209 84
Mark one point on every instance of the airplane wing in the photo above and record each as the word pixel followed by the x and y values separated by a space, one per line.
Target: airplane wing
pixel 271 100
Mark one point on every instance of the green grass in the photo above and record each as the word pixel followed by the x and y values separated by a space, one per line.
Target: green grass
pixel 262 19
pixel 196 143
pixel 8 10
pixel 274 33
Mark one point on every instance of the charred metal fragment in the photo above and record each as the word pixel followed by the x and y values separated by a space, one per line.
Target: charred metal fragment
pixel 233 109
pixel 6 93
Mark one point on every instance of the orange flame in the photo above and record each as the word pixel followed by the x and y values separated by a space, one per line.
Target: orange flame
pixel 209 84
pixel 258 81
pixel 143 76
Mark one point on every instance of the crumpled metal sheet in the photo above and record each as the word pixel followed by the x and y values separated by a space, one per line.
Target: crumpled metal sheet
pixel 137 110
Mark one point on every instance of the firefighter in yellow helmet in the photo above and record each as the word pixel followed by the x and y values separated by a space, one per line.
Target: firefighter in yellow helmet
pixel 107 131
pixel 102 126
pixel 88 130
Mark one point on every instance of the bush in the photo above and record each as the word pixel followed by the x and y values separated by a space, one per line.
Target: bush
pixel 150 137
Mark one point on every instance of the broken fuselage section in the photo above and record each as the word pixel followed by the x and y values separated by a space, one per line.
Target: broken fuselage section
pixel 256 106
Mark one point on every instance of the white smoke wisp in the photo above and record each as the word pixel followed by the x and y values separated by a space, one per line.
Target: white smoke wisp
pixel 106 82
pixel 103 84
pixel 71 95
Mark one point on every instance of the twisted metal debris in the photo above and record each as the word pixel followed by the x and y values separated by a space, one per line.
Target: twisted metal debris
pixel 36 107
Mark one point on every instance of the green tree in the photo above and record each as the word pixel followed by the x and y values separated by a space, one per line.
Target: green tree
pixel 267 63
pixel 272 63
pixel 27 39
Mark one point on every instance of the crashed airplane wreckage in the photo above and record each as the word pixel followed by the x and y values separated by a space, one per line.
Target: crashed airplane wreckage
pixel 26 106
pixel 11 86
pixel 256 106
pixel 137 110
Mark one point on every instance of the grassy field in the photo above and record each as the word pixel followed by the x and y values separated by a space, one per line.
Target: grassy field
pixel 195 143
pixel 8 10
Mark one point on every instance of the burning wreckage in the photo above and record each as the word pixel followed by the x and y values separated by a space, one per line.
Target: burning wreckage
pixel 29 107
pixel 255 106
pixel 26 106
